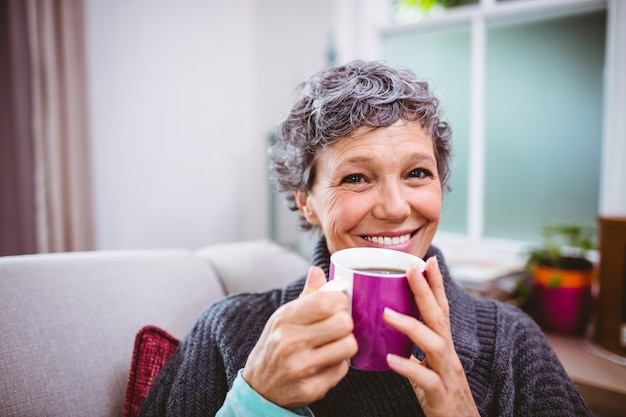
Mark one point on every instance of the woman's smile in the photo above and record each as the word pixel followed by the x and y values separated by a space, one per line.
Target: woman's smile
pixel 388 240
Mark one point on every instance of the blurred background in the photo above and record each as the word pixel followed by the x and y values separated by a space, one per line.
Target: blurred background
pixel 145 123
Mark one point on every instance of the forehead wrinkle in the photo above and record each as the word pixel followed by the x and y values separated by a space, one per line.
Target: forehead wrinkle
pixel 413 157
pixel 334 157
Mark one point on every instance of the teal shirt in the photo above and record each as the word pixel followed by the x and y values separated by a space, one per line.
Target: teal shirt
pixel 242 400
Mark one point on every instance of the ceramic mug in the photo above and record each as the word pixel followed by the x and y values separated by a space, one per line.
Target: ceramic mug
pixel 375 278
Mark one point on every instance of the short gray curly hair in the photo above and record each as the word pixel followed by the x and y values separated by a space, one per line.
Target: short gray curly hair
pixel 334 103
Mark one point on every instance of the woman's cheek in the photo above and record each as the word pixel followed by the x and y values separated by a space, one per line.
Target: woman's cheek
pixel 430 204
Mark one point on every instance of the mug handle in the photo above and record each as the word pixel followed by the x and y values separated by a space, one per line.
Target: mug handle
pixel 341 286
pixel 336 285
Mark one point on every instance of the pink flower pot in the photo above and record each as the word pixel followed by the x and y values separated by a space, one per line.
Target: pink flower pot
pixel 563 310
pixel 562 298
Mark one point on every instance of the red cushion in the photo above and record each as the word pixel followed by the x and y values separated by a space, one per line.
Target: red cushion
pixel 153 347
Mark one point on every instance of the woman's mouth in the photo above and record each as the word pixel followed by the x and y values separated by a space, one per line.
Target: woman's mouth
pixel 389 241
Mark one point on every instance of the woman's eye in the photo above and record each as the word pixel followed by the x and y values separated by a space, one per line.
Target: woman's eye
pixel 352 179
pixel 420 173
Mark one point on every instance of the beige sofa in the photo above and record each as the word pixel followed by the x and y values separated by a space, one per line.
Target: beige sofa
pixel 68 320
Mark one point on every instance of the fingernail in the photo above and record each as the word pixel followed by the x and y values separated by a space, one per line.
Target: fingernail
pixel 393 360
pixel 433 260
pixel 391 313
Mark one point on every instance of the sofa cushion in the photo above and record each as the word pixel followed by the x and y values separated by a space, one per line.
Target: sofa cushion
pixel 255 265
pixel 153 347
pixel 68 322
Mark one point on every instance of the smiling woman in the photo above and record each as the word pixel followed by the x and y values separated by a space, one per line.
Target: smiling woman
pixel 363 155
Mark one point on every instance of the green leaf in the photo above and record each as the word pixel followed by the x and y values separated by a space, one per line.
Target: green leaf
pixel 554 281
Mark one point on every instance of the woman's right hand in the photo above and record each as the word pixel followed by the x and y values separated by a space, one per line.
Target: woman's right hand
pixel 303 348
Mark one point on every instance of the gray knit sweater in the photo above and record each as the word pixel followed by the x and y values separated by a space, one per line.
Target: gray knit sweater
pixel 510 367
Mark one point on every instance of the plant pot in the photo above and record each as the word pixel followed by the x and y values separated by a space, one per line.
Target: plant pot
pixel 562 298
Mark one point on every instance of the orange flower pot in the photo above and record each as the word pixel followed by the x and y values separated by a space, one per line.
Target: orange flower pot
pixel 562 297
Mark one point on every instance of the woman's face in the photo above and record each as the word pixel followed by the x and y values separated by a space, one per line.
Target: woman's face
pixel 377 188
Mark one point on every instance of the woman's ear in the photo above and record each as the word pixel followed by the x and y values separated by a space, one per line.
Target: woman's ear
pixel 302 200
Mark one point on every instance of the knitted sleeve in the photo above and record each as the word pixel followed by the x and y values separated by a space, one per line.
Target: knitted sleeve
pixel 196 379
pixel 525 360
pixel 194 363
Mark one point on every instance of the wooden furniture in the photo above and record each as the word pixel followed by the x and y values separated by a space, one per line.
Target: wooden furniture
pixel 610 327
pixel 600 381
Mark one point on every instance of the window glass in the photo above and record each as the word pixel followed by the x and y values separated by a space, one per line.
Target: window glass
pixel 443 58
pixel 543 124
pixel 414 10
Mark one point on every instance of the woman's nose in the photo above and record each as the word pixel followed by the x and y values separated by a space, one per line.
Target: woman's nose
pixel 392 203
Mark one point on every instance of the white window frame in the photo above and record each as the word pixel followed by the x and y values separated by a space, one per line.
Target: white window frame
pixel 359 27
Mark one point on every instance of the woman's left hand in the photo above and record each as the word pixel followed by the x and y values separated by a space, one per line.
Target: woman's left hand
pixel 439 380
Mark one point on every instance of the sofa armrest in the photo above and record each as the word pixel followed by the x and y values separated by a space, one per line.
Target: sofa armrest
pixel 68 323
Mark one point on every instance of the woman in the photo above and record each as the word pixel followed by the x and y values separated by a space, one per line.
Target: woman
pixel 364 156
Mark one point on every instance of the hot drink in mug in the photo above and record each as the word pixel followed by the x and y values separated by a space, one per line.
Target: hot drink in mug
pixel 375 278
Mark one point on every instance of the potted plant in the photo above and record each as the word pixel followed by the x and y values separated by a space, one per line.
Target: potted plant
pixel 562 275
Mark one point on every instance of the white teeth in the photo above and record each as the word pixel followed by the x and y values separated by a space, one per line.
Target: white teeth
pixel 388 241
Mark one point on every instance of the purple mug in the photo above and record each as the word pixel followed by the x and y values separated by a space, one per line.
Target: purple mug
pixel 375 278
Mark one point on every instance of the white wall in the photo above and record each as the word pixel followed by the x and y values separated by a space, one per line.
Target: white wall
pixel 182 96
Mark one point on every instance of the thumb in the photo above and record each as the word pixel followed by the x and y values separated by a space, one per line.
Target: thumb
pixel 314 280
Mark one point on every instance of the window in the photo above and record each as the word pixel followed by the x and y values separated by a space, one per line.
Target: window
pixel 442 55
pixel 535 91
pixel 522 84
pixel 403 11
pixel 543 124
